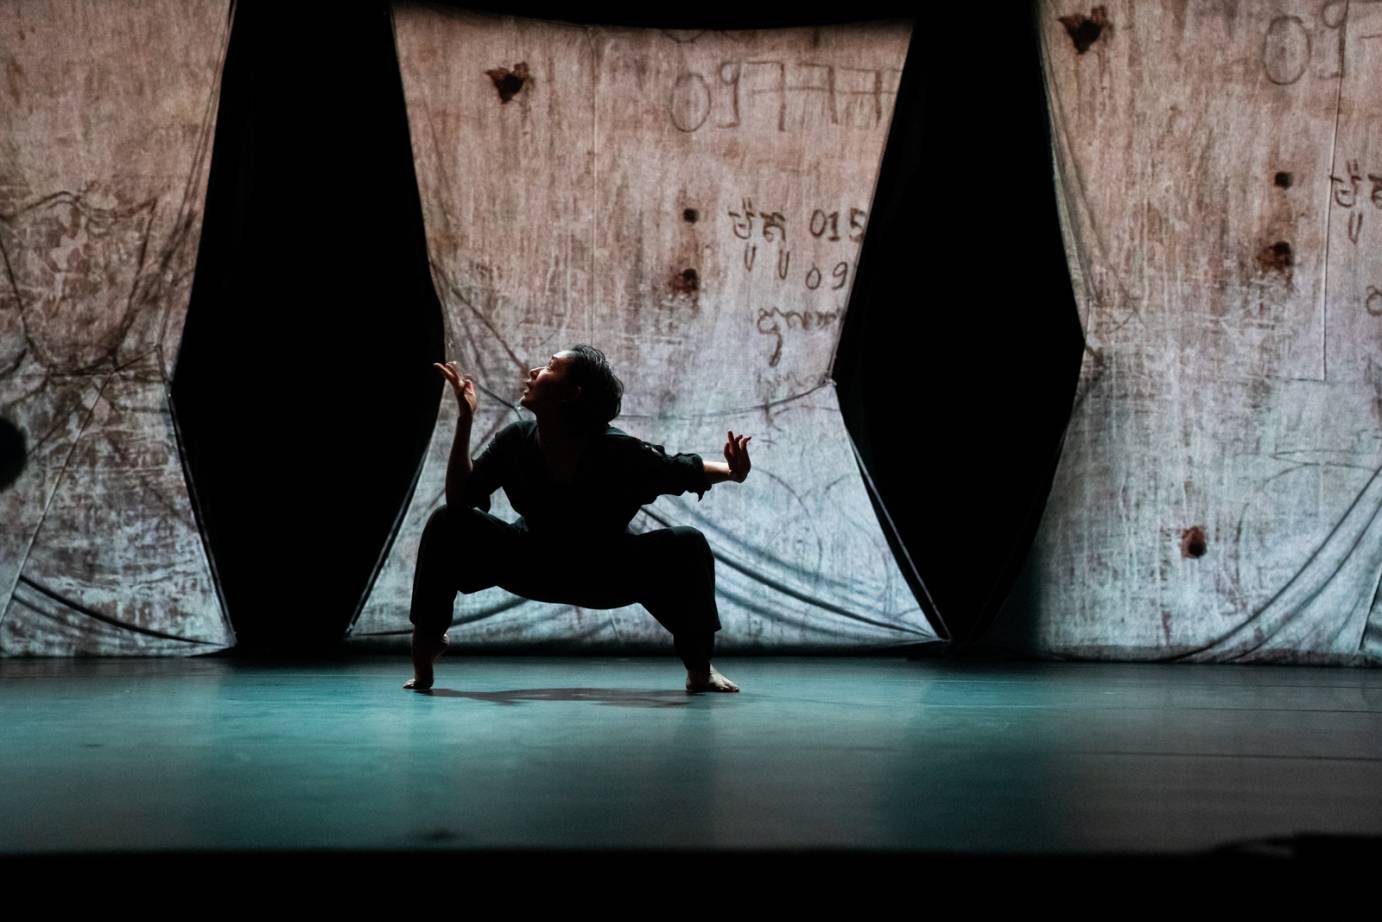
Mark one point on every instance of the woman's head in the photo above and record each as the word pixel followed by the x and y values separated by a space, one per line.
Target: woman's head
pixel 577 382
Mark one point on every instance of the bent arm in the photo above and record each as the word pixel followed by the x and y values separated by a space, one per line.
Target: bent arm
pixel 459 467
pixel 717 472
pixel 649 472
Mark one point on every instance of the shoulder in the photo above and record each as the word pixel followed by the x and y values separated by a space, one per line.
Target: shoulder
pixel 613 435
pixel 620 448
pixel 513 433
pixel 517 429
pixel 618 441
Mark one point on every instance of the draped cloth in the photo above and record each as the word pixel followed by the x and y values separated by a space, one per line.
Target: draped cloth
pixel 1219 494
pixel 107 111
pixel 692 203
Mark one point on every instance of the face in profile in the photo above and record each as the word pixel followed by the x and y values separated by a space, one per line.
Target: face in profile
pixel 548 385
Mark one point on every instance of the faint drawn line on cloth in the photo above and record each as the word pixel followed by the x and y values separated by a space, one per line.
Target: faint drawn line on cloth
pixel 730 411
pixel 692 99
pixel 97 616
pixel 794 593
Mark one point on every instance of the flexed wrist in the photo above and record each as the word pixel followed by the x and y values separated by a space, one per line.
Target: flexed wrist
pixel 463 386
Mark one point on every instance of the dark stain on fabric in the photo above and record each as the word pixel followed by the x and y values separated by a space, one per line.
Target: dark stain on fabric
pixel 15 73
pixel 691 216
pixel 1277 258
pixel 510 83
pixel 1192 542
pixel 1086 30
pixel 686 282
pixel 1283 179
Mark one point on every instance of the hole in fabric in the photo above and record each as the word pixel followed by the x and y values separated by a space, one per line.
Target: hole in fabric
pixel 1085 30
pixel 509 83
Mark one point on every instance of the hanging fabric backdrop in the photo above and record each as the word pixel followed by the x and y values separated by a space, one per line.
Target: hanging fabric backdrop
pixel 691 203
pixel 1219 496
pixel 106 118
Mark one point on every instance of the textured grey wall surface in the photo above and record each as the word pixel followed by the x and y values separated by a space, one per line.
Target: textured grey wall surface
pixel 107 113
pixel 1219 496
pixel 691 203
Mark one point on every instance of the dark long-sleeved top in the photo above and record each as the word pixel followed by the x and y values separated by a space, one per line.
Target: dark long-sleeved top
pixel 616 475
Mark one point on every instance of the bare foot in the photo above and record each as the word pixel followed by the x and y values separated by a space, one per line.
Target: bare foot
pixel 712 682
pixel 425 653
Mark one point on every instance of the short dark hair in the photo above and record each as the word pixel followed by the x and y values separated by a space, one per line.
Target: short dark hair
pixel 601 392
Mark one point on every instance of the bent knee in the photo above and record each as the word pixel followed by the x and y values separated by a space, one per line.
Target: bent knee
pixel 692 538
pixel 449 518
pixel 442 517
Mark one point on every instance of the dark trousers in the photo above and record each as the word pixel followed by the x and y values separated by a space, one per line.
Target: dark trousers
pixel 669 571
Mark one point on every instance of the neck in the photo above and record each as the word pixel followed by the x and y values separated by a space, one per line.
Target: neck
pixel 558 435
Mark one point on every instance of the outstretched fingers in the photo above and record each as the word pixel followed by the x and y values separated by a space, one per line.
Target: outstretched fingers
pixel 459 381
pixel 737 455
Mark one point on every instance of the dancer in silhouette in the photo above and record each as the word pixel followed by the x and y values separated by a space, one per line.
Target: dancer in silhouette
pixel 576 482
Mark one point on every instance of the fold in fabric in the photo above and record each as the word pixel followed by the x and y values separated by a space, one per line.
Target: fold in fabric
pixel 1217 499
pixel 692 204
pixel 105 143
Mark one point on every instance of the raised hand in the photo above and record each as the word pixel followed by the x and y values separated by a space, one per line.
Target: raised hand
pixel 737 456
pixel 463 386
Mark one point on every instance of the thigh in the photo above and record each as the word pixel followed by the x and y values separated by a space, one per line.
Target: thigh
pixel 667 550
pixel 606 572
pixel 489 547
pixel 652 566
pixel 601 573
pixel 581 570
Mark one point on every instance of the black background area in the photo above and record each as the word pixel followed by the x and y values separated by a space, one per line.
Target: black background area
pixel 962 345
pixel 304 389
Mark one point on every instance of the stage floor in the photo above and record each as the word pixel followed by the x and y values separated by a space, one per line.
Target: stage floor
pixel 868 753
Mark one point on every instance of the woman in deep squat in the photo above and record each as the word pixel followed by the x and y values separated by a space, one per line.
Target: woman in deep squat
pixel 576 482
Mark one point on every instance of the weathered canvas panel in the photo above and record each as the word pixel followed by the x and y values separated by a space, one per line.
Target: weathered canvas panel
pixel 692 204
pixel 1219 496
pixel 106 118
